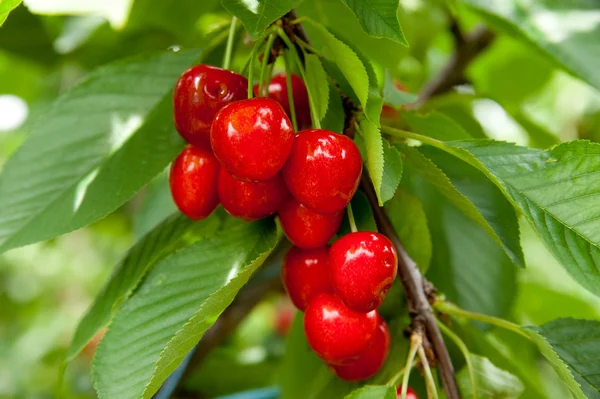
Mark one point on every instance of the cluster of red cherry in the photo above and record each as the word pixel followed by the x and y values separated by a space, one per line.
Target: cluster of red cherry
pixel 243 154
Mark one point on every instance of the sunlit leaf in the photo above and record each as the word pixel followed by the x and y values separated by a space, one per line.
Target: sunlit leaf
pixel 99 144
pixel 176 303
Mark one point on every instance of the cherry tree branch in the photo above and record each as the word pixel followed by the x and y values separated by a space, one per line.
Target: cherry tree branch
pixel 467 48
pixel 418 291
pixel 417 299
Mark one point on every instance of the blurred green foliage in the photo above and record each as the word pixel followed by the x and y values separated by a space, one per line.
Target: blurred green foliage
pixel 515 95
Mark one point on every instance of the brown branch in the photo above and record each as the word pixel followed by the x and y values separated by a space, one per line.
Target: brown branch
pixel 418 291
pixel 417 299
pixel 467 48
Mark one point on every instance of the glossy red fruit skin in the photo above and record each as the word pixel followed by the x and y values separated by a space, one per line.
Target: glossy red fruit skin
pixel 323 170
pixel 251 200
pixel 200 92
pixel 363 267
pixel 278 91
pixel 410 394
pixel 193 181
pixel 252 138
pixel 305 274
pixel 371 360
pixel 336 333
pixel 305 228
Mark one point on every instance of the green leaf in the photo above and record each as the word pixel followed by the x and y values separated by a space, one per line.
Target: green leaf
pixel 557 191
pixel 492 382
pixel 394 96
pixel 257 15
pixel 98 145
pixel 378 18
pixel 469 266
pixel 565 30
pixel 334 118
pixel 348 62
pixel 316 80
pixel 152 248
pixel 373 392
pixel 410 222
pixel 176 303
pixel 6 6
pixel 155 205
pixel 572 346
pixel 487 198
pixel 443 185
pixel 392 171
pixel 374 152
pixel 434 124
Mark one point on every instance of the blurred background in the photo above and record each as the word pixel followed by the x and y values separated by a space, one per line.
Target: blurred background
pixel 46 47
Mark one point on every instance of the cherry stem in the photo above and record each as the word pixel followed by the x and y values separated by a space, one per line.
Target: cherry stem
pixel 308 47
pixel 265 61
pixel 313 109
pixel 288 82
pixel 429 381
pixel 465 351
pixel 415 343
pixel 452 309
pixel 351 220
pixel 229 46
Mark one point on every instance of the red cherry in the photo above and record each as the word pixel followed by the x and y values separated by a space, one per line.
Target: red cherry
pixel 323 170
pixel 252 138
pixel 251 200
pixel 337 333
pixel 305 274
pixel 388 112
pixel 193 182
pixel 284 316
pixel 370 361
pixel 363 268
pixel 278 91
pixel 308 229
pixel 410 394
pixel 199 93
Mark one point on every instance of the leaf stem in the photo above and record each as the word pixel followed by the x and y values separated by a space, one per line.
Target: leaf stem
pixel 452 309
pixel 351 220
pixel 288 82
pixel 229 46
pixel 391 131
pixel 429 380
pixel 313 109
pixel 415 343
pixel 265 61
pixel 465 351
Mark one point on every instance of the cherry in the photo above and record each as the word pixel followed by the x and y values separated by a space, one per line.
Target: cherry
pixel 305 228
pixel 388 112
pixel 305 274
pixel 193 182
pixel 371 360
pixel 323 170
pixel 363 267
pixel 199 93
pixel 410 394
pixel 251 200
pixel 252 138
pixel 284 316
pixel 278 91
pixel 337 333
